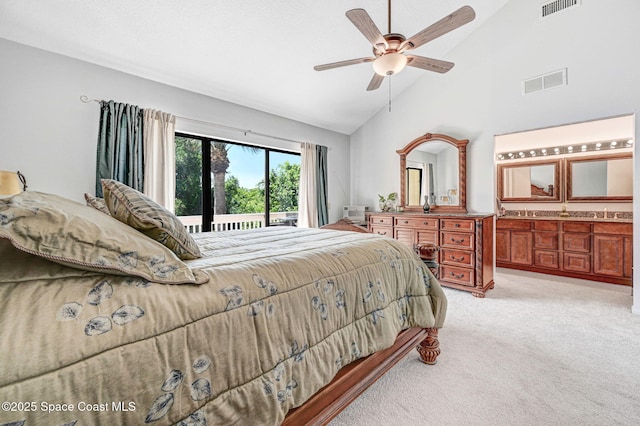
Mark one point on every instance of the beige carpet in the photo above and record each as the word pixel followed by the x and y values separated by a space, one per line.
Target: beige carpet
pixel 538 350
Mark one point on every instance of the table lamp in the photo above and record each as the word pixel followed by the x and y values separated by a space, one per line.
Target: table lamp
pixel 10 183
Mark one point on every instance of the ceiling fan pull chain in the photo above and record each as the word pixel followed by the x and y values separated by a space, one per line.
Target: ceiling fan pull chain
pixel 389 78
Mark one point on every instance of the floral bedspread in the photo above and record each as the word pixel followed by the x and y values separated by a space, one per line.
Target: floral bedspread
pixel 284 310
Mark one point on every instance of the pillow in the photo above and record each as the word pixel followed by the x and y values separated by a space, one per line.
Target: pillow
pixel 96 203
pixel 142 213
pixel 79 236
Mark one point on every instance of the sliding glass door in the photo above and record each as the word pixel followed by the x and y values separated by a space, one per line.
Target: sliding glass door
pixel 244 186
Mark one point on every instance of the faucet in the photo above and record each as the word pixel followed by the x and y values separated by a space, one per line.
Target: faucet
pixel 595 215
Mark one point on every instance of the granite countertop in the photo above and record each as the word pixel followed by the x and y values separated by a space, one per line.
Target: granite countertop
pixel 570 219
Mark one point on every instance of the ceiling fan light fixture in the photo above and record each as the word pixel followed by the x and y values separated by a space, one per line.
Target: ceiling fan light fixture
pixel 389 63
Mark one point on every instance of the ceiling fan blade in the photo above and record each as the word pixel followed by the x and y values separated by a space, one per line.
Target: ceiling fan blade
pixel 375 82
pixel 368 28
pixel 342 63
pixel 457 19
pixel 429 64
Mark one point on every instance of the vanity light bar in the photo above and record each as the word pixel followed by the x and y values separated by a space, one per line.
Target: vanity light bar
pixel 565 149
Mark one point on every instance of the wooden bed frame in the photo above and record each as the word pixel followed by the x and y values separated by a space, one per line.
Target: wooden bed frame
pixel 355 378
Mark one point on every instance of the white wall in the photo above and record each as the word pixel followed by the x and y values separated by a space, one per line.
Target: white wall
pixel 48 134
pixel 481 96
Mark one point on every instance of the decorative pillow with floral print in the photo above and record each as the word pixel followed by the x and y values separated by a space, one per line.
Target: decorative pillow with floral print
pixel 72 234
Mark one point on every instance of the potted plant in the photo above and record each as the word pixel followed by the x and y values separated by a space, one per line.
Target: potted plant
pixel 388 202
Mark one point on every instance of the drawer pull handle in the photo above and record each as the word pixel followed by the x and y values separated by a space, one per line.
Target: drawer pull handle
pixel 425 223
pixel 381 220
pixel 406 221
pixel 382 233
pixel 457 225
pixel 460 259
pixel 457 241
pixel 457 276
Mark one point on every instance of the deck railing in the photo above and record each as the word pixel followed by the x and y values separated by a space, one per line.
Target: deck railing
pixel 227 222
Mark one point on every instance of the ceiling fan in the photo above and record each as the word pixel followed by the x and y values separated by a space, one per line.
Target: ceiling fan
pixel 389 49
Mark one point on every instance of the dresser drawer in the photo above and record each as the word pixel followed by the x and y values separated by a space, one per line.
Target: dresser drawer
pixel 382 230
pixel 417 222
pixel 381 220
pixel 456 275
pixel 456 257
pixel 458 225
pixel 457 240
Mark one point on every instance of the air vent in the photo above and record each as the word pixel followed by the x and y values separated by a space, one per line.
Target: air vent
pixel 546 81
pixel 555 6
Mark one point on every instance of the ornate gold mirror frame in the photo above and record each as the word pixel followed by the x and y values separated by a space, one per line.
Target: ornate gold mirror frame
pixel 461 146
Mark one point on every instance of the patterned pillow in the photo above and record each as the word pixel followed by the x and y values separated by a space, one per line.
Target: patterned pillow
pixel 142 213
pixel 75 235
pixel 96 203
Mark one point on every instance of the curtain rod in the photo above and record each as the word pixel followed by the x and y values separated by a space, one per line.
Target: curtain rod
pixel 86 100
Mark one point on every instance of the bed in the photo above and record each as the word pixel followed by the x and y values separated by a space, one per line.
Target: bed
pixel 107 322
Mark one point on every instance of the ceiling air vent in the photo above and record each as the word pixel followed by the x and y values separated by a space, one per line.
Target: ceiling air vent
pixel 546 81
pixel 555 6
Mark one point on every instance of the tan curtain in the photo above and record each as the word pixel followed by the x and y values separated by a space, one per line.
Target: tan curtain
pixel 307 204
pixel 160 161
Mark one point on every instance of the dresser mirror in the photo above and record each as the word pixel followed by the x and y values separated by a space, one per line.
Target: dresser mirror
pixel 433 168
pixel 529 181
pixel 600 178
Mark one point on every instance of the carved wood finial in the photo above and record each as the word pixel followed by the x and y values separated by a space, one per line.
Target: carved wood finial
pixel 429 348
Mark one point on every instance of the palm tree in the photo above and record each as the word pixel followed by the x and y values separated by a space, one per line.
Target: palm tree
pixel 219 166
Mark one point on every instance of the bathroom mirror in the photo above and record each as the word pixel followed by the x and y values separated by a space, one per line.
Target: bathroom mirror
pixel 529 181
pixel 600 178
pixel 434 166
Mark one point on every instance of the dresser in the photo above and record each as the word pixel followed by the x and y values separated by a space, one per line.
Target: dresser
pixel 465 242
pixel 598 250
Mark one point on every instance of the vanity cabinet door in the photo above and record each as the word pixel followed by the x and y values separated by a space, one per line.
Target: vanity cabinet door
pixel 521 247
pixel 628 257
pixel 503 245
pixel 608 255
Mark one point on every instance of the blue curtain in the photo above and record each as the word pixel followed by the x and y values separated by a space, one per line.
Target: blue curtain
pixel 120 149
pixel 321 183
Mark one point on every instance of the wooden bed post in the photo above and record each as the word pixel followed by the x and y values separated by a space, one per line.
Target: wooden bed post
pixel 429 348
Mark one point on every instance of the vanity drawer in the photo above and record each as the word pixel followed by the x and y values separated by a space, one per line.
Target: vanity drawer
pixel 417 222
pixel 457 240
pixel 576 262
pixel 545 225
pixel 456 275
pixel 576 227
pixel 576 242
pixel 545 240
pixel 458 225
pixel 381 220
pixel 513 224
pixel 546 259
pixel 456 257
pixel 382 230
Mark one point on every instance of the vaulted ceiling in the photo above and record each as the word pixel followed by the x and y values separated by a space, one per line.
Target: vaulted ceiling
pixel 255 53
